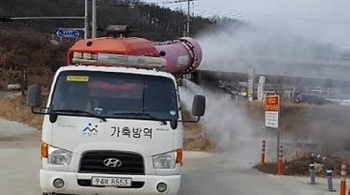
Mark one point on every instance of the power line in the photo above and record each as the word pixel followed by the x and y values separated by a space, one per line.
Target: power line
pixel 48 17
pixel 187 32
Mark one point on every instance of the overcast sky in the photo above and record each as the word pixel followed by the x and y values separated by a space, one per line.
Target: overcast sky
pixel 326 21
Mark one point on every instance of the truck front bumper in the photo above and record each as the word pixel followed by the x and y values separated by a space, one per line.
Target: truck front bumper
pixel 80 183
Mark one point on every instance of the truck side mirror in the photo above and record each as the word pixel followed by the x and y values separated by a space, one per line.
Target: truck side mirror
pixel 34 96
pixel 198 106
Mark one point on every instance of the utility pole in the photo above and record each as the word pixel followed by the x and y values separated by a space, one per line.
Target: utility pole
pixel 94 18
pixel 86 20
pixel 188 20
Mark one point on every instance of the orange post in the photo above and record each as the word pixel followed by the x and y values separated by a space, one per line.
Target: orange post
pixel 343 170
pixel 280 161
pixel 262 158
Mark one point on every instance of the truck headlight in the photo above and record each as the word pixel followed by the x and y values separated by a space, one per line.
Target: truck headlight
pixel 165 160
pixel 59 156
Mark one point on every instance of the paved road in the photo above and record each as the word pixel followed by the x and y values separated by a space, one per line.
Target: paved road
pixel 203 174
pixel 19 159
pixel 208 176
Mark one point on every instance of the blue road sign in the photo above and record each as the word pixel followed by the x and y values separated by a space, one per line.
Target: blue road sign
pixel 67 33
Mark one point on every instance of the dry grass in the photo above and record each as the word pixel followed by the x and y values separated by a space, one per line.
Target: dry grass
pixel 14 108
pixel 194 138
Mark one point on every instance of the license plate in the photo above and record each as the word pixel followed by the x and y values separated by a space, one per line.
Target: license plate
pixel 111 181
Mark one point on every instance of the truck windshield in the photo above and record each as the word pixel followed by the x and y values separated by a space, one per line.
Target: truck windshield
pixel 116 95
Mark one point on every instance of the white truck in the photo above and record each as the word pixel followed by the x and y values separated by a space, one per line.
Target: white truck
pixel 111 127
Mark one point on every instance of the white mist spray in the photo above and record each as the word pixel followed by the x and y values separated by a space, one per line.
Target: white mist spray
pixel 237 137
pixel 236 49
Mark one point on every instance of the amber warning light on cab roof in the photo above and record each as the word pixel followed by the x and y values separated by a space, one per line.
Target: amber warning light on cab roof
pixel 146 62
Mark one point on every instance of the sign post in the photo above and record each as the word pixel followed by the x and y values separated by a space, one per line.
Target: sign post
pixel 261 86
pixel 272 115
pixel 251 84
pixel 67 33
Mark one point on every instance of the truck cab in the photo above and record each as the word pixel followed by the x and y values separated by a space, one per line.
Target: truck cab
pixel 112 126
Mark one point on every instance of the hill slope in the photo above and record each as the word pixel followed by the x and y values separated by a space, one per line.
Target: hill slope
pixel 155 22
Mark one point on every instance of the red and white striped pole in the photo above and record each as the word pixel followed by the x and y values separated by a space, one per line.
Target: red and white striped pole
pixel 343 170
pixel 280 161
pixel 262 158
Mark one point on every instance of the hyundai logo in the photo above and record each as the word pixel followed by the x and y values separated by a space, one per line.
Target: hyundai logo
pixel 112 162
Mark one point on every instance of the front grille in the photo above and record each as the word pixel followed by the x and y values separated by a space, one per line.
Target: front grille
pixel 131 163
pixel 87 183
